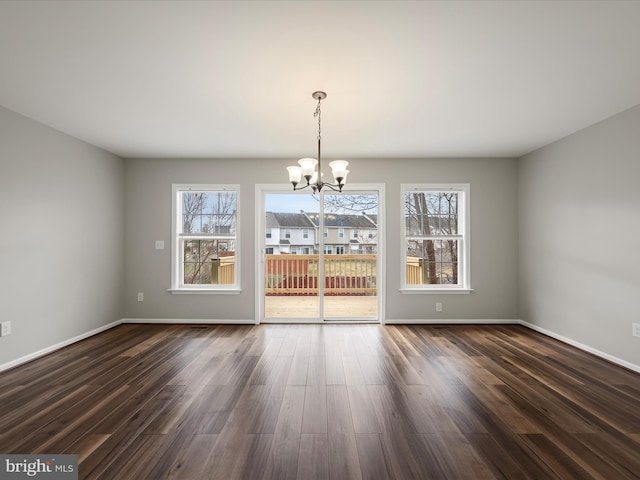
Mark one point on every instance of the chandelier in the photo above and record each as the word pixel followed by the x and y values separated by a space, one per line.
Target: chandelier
pixel 307 166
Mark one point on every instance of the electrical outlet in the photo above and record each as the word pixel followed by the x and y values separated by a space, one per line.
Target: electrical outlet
pixel 140 296
pixel 635 329
pixel 159 244
pixel 6 329
pixel 438 306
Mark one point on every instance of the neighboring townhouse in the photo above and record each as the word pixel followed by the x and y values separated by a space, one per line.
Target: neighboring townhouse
pixel 292 233
pixel 348 233
pixel 296 233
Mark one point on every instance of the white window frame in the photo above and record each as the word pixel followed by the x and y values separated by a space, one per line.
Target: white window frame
pixel 463 237
pixel 287 233
pixel 305 233
pixel 177 241
pixel 341 232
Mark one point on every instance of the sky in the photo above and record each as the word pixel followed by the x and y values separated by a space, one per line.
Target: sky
pixel 289 202
pixel 294 202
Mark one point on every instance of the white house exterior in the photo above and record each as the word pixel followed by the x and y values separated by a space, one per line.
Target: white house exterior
pixel 297 233
pixel 289 233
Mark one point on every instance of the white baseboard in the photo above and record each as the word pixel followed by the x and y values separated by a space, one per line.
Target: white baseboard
pixel 57 346
pixel 586 348
pixel 452 321
pixel 188 321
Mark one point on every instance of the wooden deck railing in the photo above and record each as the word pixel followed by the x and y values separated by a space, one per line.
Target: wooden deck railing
pixel 415 271
pixel 223 270
pixel 418 272
pixel 343 274
pixel 298 274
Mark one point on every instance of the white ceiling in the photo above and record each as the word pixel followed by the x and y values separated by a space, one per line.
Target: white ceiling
pixel 404 79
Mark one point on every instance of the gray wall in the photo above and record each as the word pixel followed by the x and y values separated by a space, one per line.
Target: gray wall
pixel 579 230
pixel 557 231
pixel 493 224
pixel 61 248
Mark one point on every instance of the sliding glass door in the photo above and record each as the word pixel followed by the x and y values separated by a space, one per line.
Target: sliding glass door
pixel 291 257
pixel 350 260
pixel 320 256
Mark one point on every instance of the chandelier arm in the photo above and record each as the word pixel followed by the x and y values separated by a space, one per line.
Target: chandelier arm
pixel 334 187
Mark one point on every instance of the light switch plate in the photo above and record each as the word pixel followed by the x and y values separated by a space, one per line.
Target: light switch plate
pixel 6 329
pixel 159 244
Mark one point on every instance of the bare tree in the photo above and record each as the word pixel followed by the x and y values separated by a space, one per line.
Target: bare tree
pixel 429 215
pixel 424 222
pixel 452 229
pixel 192 206
pixel 355 203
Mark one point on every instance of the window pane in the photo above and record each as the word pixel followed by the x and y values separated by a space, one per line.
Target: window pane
pixel 431 213
pixel 208 262
pixel 432 262
pixel 209 212
pixel 447 273
pixel 197 263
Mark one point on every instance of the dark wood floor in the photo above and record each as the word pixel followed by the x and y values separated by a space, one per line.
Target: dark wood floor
pixel 331 401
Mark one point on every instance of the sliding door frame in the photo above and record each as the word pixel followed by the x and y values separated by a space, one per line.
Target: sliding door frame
pixel 261 190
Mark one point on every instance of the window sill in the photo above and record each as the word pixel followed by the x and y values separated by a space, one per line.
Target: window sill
pixel 436 291
pixel 203 291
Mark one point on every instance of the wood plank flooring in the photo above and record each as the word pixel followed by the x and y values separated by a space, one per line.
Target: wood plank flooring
pixel 326 402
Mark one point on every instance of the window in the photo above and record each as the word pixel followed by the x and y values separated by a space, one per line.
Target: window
pixel 205 238
pixel 339 249
pixel 305 250
pixel 325 234
pixel 341 232
pixel 287 233
pixel 269 250
pixel 355 234
pixel 328 249
pixel 305 233
pixel 268 233
pixel 435 237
